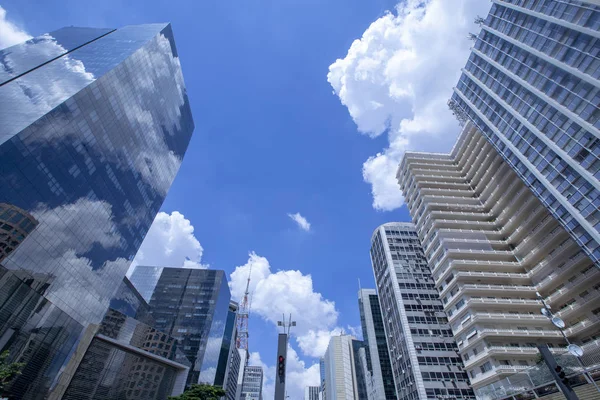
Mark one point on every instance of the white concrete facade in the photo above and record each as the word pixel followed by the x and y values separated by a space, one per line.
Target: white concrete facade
pixel 492 246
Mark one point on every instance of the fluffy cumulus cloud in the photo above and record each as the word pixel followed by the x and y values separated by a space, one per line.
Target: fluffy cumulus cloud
pixel 317 318
pixel 397 79
pixel 170 242
pixel 301 221
pixel 10 34
pixel 298 375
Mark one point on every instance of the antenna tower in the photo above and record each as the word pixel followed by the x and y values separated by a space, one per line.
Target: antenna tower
pixel 242 319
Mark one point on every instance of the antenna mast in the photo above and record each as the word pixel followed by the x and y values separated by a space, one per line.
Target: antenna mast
pixel 242 319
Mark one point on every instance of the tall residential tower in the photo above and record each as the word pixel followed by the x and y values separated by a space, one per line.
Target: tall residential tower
pixel 492 247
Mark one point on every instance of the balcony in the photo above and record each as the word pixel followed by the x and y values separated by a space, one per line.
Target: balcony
pixel 506 302
pixel 492 277
pixel 580 305
pixel 496 373
pixel 558 273
pixel 524 319
pixel 580 327
pixel 589 277
pixel 500 350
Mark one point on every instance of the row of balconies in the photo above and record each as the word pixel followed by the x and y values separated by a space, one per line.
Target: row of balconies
pixel 590 276
pixel 500 318
pixel 510 351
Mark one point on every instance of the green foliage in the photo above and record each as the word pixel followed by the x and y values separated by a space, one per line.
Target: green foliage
pixel 201 392
pixel 8 371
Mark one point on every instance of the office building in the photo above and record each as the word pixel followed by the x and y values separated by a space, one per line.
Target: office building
pixel 340 369
pixel 95 123
pixel 312 393
pixel 378 358
pixel 252 384
pixel 230 353
pixel 363 383
pixel 425 364
pixel 531 86
pixel 193 305
pixel 492 247
pixel 128 357
pixel 144 279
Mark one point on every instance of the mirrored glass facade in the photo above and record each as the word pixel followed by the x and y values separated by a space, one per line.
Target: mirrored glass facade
pixel 531 85
pixel 95 124
pixel 378 357
pixel 193 306
pixel 145 279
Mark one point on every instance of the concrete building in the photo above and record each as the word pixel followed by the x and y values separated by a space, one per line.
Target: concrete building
pixel 340 370
pixel 531 86
pixel 378 358
pixel 423 355
pixel 252 384
pixel 322 376
pixel 312 393
pixel 492 246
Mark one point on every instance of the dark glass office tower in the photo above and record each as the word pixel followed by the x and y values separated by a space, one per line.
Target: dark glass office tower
pixel 378 357
pixel 95 123
pixel 423 354
pixel 532 87
pixel 145 279
pixel 193 306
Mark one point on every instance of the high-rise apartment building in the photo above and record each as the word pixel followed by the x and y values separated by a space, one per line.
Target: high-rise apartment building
pixel 532 87
pixel 378 358
pixel 95 123
pixel 492 247
pixel 193 305
pixel 252 384
pixel 423 355
pixel 340 369
pixel 312 393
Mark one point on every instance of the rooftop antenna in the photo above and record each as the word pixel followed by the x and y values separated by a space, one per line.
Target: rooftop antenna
pixel 242 319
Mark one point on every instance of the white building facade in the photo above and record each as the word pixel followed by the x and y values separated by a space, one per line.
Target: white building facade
pixel 340 374
pixel 492 246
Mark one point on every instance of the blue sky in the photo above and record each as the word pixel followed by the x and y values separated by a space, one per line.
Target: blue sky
pixel 275 134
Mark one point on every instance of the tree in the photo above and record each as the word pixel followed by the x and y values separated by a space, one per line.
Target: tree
pixel 8 370
pixel 201 392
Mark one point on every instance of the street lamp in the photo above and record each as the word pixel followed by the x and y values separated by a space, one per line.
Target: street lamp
pixel 572 348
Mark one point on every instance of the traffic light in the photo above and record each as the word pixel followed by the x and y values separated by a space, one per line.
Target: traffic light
pixel 281 366
pixel 562 375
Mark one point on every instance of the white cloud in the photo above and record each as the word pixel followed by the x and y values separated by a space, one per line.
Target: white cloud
pixel 170 242
pixel 285 292
pixel 10 34
pixel 397 79
pixel 301 221
pixel 298 375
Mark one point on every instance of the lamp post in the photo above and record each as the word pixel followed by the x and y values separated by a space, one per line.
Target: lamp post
pixel 571 347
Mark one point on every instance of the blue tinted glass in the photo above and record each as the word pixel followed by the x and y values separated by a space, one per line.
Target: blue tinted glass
pixel 19 59
pixel 86 160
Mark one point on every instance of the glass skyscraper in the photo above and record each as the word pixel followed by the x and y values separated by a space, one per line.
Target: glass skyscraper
pixel 95 123
pixel 378 357
pixel 145 280
pixel 423 354
pixel 531 86
pixel 193 305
